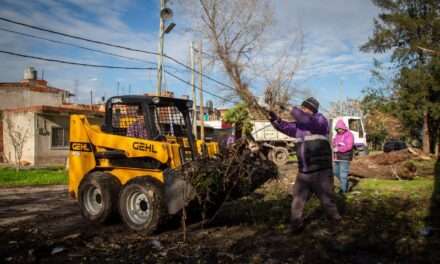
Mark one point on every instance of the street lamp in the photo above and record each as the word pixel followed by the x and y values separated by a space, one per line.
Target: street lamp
pixel 165 14
pixel 169 28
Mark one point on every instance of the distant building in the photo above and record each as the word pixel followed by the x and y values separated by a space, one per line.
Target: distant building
pixel 30 92
pixel 40 112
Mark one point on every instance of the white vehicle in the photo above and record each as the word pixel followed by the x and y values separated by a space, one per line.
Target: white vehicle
pixel 275 144
pixel 278 146
pixel 356 126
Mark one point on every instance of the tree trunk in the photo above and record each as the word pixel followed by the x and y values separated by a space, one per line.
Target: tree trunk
pixel 437 149
pixel 17 162
pixel 426 135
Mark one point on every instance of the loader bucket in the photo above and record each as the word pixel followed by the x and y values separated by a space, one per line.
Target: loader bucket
pixel 178 192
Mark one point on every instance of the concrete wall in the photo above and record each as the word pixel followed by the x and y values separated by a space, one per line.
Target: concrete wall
pixel 46 154
pixel 23 123
pixel 16 97
pixel 38 149
pixel 1 137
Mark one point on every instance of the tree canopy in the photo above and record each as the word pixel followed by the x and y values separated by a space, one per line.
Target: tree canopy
pixel 406 28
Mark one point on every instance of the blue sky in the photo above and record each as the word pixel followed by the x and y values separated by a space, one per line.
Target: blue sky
pixel 332 36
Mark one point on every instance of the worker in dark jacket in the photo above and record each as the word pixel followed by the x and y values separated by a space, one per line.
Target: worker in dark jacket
pixel 314 159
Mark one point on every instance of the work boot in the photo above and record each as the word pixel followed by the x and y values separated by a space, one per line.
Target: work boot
pixel 295 230
pixel 334 219
pixel 295 227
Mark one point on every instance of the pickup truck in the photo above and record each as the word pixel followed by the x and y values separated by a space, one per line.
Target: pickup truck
pixel 276 145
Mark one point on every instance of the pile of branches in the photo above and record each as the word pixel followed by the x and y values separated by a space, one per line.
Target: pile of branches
pixel 393 165
pixel 235 173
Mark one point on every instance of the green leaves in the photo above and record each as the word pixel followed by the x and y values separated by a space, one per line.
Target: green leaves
pixel 407 29
pixel 239 116
pixel 403 27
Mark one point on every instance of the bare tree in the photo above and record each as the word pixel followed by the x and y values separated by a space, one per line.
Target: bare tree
pixel 18 137
pixel 348 107
pixel 279 78
pixel 240 37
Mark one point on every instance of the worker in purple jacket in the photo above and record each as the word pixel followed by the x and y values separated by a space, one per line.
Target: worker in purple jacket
pixel 314 159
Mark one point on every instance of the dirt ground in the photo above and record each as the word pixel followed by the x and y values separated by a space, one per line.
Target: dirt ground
pixel 42 225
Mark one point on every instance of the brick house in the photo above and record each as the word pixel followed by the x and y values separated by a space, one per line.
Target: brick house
pixel 40 112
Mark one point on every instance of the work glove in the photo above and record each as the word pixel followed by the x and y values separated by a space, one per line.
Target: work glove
pixel 272 116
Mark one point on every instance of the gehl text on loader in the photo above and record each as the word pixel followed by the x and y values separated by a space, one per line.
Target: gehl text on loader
pixel 128 165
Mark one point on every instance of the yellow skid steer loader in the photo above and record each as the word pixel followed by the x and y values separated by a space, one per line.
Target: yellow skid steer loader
pixel 129 166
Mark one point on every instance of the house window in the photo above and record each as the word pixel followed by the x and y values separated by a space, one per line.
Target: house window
pixel 60 137
pixel 356 126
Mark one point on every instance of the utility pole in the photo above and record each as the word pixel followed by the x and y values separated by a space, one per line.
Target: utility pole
pixel 341 103
pixel 193 85
pixel 160 59
pixel 202 112
pixel 117 88
pixel 75 89
pixel 91 98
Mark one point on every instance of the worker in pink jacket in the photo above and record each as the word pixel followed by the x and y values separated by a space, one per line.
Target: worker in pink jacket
pixel 343 153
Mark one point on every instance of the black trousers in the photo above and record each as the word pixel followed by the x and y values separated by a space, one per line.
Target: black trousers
pixel 319 183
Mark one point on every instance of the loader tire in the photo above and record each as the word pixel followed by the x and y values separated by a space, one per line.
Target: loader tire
pixel 279 155
pixel 141 204
pixel 98 197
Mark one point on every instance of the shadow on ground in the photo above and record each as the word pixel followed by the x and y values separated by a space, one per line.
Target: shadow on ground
pixel 434 215
pixel 432 229
pixel 376 228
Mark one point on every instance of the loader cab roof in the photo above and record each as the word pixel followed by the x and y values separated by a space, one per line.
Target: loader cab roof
pixel 150 100
pixel 124 111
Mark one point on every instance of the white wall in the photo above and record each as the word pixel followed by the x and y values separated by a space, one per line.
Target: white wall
pixel 37 149
pixel 23 122
pixel 45 154
pixel 16 97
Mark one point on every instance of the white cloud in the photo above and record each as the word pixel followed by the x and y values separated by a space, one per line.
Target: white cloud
pixel 97 19
pixel 333 32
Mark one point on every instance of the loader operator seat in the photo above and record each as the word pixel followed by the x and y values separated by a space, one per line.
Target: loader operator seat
pixel 138 128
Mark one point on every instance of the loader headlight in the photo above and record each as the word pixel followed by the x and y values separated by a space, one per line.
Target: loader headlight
pixel 155 100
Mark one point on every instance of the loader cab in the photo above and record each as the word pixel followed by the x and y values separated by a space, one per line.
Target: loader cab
pixel 151 118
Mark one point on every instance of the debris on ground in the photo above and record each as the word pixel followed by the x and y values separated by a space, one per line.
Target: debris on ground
pixel 236 173
pixel 383 222
pixel 398 165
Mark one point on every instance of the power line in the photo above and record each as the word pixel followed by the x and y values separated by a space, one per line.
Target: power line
pixel 76 37
pixel 81 47
pixel 114 46
pixel 76 46
pixel 197 87
pixel 108 67
pixel 76 63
